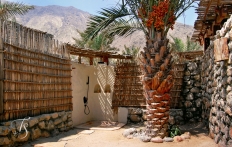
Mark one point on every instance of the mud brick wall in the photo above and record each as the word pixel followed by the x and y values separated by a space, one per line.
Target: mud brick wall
pixel 13 133
pixel 217 88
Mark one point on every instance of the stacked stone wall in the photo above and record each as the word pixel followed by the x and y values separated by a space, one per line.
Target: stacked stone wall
pixel 16 132
pixel 192 96
pixel 217 89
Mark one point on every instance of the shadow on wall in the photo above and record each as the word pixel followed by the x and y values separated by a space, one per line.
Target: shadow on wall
pixel 101 78
pixel 105 77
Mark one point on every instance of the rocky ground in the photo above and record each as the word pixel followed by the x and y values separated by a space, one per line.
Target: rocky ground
pixel 100 138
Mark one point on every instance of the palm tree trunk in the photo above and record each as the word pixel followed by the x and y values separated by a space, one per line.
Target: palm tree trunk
pixel 157 83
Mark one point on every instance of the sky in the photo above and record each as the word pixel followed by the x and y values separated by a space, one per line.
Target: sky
pixel 93 6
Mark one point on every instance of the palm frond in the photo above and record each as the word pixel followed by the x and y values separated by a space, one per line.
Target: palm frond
pixel 107 17
pixel 123 27
pixel 11 9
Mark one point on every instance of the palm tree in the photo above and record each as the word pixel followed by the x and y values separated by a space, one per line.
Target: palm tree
pixel 11 9
pixel 133 51
pixel 99 42
pixel 178 46
pixel 154 18
pixel 192 46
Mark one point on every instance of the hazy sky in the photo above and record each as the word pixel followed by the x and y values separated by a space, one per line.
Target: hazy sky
pixel 93 6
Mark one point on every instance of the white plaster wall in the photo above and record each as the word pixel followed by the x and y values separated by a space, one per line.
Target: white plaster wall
pixel 99 103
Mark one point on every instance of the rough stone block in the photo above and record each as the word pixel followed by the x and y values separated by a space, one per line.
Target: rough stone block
pixel 54 115
pixel 62 113
pixel 69 114
pixel 64 117
pixel 134 118
pixel 188 104
pixel 44 117
pixel 8 123
pixel 69 119
pixel 70 123
pixel 33 121
pixel 195 90
pixel 57 121
pixel 5 141
pixel 228 89
pixel 157 140
pixel 230 132
pixel 217 138
pixel 178 139
pixel 229 143
pixel 45 134
pixel 4 130
pixel 50 125
pixel 230 46
pixel 61 125
pixel 35 133
pixel 42 125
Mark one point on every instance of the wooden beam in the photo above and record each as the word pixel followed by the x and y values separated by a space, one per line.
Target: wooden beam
pixel 1 75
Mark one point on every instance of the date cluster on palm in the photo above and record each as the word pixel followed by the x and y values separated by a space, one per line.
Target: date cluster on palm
pixel 157 82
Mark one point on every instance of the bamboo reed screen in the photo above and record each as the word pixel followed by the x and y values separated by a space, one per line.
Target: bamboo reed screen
pixel 178 70
pixel 128 88
pixel 35 73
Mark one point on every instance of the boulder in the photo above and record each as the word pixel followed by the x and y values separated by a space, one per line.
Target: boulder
pixel 145 138
pixel 44 117
pixel 33 121
pixel 42 125
pixel 168 139
pixel 57 121
pixel 54 115
pixel 134 118
pixel 35 133
pixel 129 131
pixel 5 141
pixel 4 130
pixel 157 140
pixel 178 139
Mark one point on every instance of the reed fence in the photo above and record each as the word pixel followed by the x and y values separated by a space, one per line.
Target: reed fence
pixel 35 73
pixel 128 88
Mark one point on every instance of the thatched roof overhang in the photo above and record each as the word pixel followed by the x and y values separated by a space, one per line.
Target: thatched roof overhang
pixel 210 14
pixel 89 53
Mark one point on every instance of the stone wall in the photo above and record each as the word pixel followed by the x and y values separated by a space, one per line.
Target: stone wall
pixel 217 87
pixel 16 132
pixel 176 117
pixel 192 91
pixel 136 115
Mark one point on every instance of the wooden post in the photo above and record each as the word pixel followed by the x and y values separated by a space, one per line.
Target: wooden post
pixel 79 59
pixel 1 75
pixel 90 60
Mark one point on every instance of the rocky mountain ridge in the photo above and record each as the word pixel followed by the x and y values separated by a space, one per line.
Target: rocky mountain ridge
pixel 63 22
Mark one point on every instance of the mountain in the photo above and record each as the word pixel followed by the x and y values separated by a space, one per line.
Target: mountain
pixel 63 22
pixel 60 21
